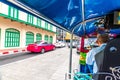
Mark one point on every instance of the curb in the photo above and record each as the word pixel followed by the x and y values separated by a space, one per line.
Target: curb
pixel 12 52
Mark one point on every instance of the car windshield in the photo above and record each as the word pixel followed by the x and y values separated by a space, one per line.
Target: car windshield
pixel 39 42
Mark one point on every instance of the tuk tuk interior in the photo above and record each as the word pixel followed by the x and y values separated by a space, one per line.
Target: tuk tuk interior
pixel 79 17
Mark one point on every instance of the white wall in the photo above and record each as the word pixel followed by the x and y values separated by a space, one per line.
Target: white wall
pixel 22 16
pixel 3 8
pixel 23 28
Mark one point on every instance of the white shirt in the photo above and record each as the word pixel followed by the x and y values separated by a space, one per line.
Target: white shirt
pixel 90 58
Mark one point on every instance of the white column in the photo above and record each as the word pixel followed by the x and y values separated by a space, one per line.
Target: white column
pixel 54 38
pixel 2 38
pixel 43 37
pixel 34 37
pixel 22 38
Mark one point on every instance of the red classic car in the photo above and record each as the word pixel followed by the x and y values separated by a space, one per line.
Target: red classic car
pixel 40 46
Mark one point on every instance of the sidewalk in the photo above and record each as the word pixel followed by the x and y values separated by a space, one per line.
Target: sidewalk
pixel 12 51
pixel 49 66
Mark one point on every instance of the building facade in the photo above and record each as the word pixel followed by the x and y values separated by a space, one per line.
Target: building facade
pixel 68 37
pixel 60 34
pixel 18 29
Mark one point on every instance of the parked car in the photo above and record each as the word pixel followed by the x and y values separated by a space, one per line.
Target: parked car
pixel 89 43
pixel 40 46
pixel 78 49
pixel 86 49
pixel 74 44
pixel 59 44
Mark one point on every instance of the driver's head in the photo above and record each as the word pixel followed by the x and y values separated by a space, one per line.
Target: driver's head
pixel 102 38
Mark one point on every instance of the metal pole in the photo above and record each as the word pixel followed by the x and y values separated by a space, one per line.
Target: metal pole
pixel 83 16
pixel 71 41
pixel 83 13
pixel 63 35
pixel 70 59
pixel 84 23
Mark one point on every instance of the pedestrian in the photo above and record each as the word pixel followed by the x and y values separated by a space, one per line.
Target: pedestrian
pixel 102 39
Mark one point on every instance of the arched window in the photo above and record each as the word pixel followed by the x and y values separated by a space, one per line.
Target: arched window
pixel 46 38
pixel 12 38
pixel 38 37
pixel 29 38
pixel 51 39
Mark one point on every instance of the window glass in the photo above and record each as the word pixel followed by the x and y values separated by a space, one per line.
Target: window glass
pixel 12 38
pixel 29 38
pixel 38 37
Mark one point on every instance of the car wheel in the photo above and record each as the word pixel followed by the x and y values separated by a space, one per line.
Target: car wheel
pixel 54 48
pixel 78 52
pixel 43 51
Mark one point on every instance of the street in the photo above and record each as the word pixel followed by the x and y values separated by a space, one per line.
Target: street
pixel 16 57
pixel 48 66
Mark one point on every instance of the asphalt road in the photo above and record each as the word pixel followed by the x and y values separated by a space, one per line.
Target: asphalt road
pixel 48 66
pixel 16 57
